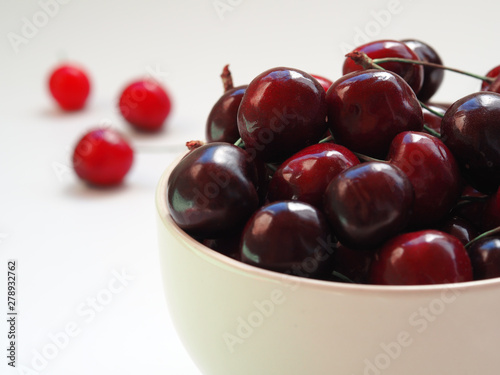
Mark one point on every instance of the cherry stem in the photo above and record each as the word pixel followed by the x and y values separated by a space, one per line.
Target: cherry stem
pixel 368 158
pixel 342 277
pixel 192 145
pixel 483 235
pixel 432 65
pixel 227 78
pixel 326 139
pixel 239 143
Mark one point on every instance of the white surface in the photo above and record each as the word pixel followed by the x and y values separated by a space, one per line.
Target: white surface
pixel 68 239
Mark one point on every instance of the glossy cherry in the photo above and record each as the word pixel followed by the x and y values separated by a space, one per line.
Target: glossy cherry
pixel 433 173
pixel 413 74
pixel 493 73
pixel 491 212
pixel 433 77
pixel 282 111
pixel 471 206
pixel 306 174
pixel 145 105
pixel 420 258
pixel 70 87
pixel 289 237
pixel 368 204
pixel 325 82
pixel 102 157
pixel 222 124
pixel 485 258
pixel 367 109
pixel 211 191
pixel 471 130
pixel 459 228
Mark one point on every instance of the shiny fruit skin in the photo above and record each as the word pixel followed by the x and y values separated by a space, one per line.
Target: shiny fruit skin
pixel 460 228
pixel 433 77
pixel 421 258
pixel 102 157
pixel 411 73
pixel 471 130
pixel 367 109
pixel 485 258
pixel 306 174
pixel 289 237
pixel 325 82
pixel 493 73
pixel 211 191
pixel 282 111
pixel 433 173
pixel 70 87
pixel 145 105
pixel 222 124
pixel 368 204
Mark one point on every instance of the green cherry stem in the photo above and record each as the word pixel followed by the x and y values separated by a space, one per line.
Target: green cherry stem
pixel 432 65
pixel 483 235
pixel 368 158
pixel 239 143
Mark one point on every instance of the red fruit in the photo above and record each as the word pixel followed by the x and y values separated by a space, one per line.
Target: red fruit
pixel 485 258
pixel 369 203
pixel 413 74
pixel 471 130
pixel 367 109
pixel 70 87
pixel 493 73
pixel 282 111
pixel 145 105
pixel 325 82
pixel 305 175
pixel 433 77
pixel 459 228
pixel 433 173
pixel 491 214
pixel 102 157
pixel 420 258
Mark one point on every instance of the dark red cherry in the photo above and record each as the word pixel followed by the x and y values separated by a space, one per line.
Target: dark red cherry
pixel 368 204
pixel 485 258
pixel 325 82
pixel 459 228
pixel 211 191
pixel 367 109
pixel 282 111
pixel 433 77
pixel 420 258
pixel 222 125
pixel 493 73
pixel 471 207
pixel 306 174
pixel 413 74
pixel 433 173
pixel 471 130
pixel 491 212
pixel 289 237
pixel 432 120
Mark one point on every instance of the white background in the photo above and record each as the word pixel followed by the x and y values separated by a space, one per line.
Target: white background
pixel 70 240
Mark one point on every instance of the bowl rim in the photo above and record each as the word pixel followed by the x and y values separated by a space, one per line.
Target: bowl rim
pixel 223 261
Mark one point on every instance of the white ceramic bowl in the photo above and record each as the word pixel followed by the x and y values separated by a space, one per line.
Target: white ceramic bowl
pixel 236 319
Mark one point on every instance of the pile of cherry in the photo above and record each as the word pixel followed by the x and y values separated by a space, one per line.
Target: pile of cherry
pixel 351 180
